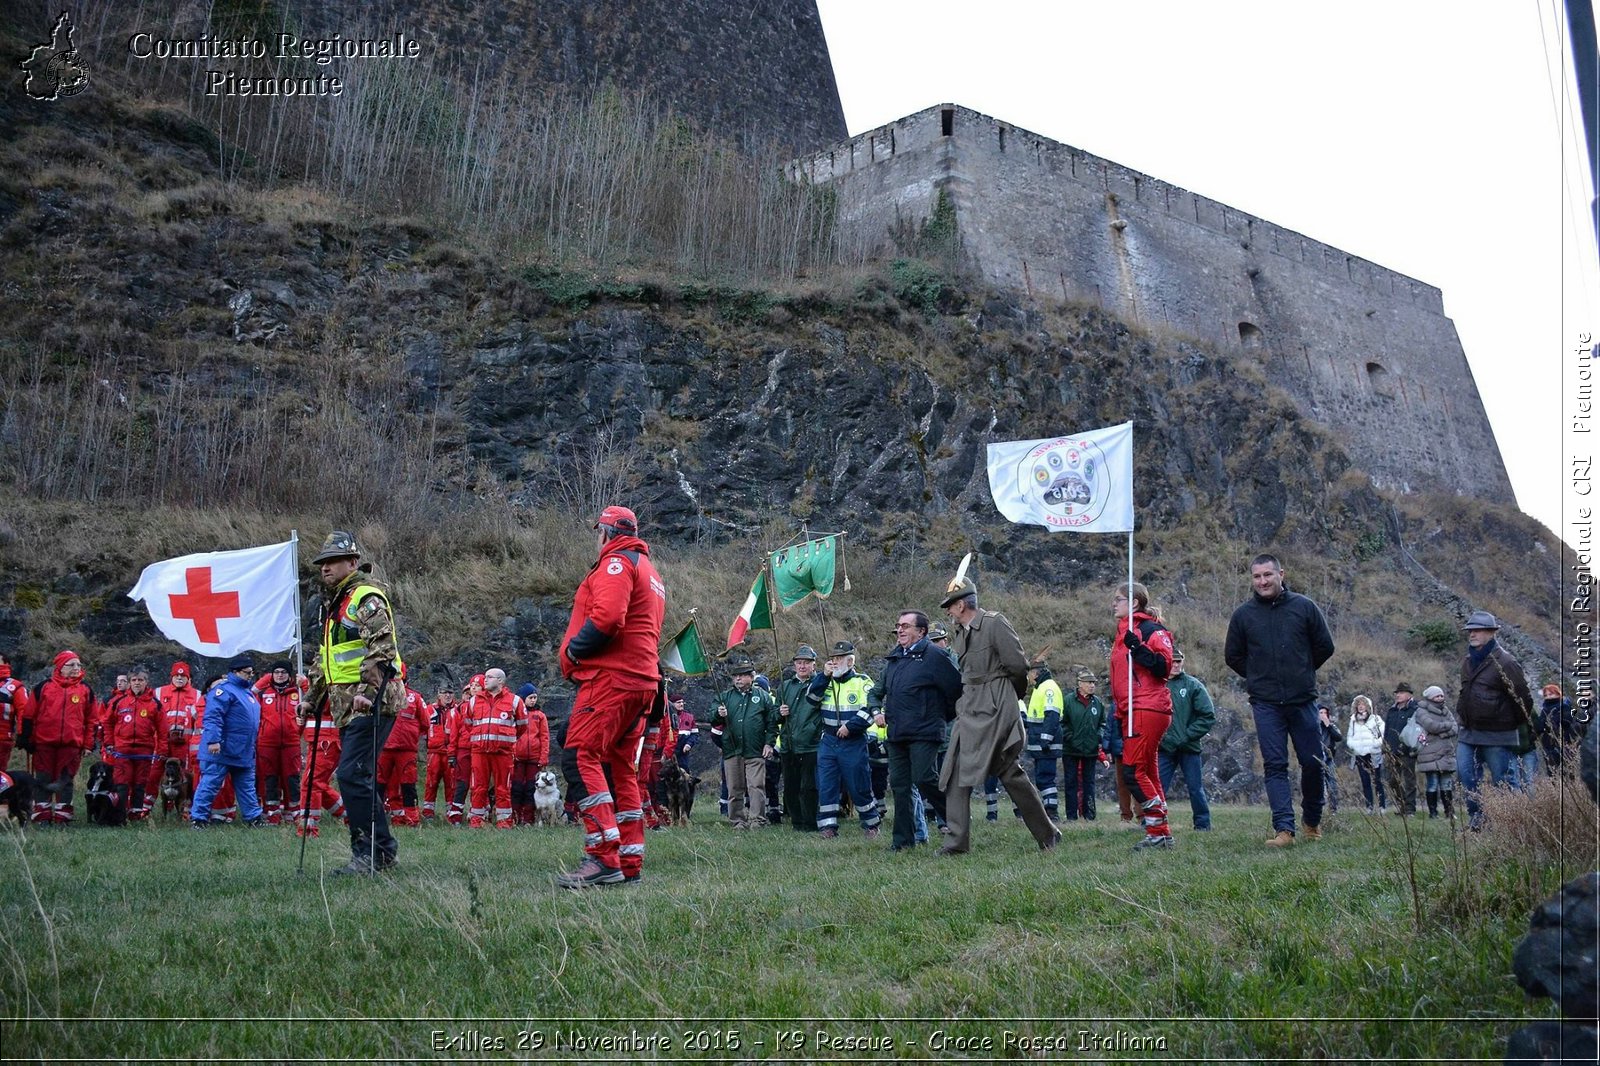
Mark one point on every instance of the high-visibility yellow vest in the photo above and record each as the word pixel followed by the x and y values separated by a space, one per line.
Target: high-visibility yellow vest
pixel 342 647
pixel 1046 697
pixel 847 699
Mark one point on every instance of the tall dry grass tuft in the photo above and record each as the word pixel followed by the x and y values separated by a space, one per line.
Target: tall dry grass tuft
pixel 107 434
pixel 1532 842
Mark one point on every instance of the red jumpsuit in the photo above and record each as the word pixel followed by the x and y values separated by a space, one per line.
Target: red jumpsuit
pixel 462 739
pixel 12 712
pixel 397 763
pixel 134 732
pixel 317 792
pixel 441 723
pixel 660 740
pixel 527 759
pixel 278 746
pixel 99 727
pixel 60 724
pixel 1152 713
pixel 609 649
pixel 180 704
pixel 493 721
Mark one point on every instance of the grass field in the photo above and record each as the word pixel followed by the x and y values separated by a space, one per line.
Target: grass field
pixel 160 943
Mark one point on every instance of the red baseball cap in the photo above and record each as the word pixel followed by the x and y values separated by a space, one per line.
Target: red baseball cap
pixel 619 519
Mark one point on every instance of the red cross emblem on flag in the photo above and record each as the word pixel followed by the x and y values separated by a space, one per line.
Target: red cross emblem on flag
pixel 202 606
pixel 224 603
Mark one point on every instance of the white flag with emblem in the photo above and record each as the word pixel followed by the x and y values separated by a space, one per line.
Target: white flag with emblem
pixel 223 603
pixel 1076 483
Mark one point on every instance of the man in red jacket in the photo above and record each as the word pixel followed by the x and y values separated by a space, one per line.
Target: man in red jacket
pixel 15 705
pixel 462 752
pixel 100 728
pixel 180 707
pixel 530 756
pixel 132 736
pixel 494 718
pixel 58 733
pixel 278 743
pixel 441 735
pixel 397 762
pixel 609 650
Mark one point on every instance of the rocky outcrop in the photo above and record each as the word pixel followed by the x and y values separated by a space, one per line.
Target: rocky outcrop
pixel 1560 958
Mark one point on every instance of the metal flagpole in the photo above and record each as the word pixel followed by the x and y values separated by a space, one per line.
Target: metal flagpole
pixel 299 631
pixel 1127 712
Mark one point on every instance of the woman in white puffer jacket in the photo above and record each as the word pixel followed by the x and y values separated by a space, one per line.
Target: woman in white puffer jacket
pixel 1364 737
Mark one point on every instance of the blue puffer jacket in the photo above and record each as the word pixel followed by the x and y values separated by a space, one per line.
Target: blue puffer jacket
pixel 233 718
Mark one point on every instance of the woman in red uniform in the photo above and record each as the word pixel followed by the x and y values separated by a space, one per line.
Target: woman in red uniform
pixel 1142 638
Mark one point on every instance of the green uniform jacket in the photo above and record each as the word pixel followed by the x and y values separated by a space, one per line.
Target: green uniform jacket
pixel 1192 716
pixel 1081 726
pixel 802 730
pixel 752 722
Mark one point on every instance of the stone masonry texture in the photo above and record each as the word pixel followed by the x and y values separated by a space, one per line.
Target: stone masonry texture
pixel 1364 350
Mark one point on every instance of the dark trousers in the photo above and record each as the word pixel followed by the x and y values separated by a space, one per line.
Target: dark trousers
pixel 1371 775
pixel 1077 787
pixel 911 765
pixel 880 781
pixel 800 789
pixel 775 789
pixel 359 744
pixel 1402 773
pixel 1276 727
pixel 1190 764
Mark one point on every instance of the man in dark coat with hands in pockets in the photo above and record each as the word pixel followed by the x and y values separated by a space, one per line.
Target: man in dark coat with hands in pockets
pixel 1276 641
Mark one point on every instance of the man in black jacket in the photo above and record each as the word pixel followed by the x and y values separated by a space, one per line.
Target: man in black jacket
pixel 918 696
pixel 1494 704
pixel 1276 642
pixel 1400 758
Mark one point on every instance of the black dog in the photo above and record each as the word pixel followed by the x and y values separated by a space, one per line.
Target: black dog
pixel 677 787
pixel 16 794
pixel 106 806
pixel 171 787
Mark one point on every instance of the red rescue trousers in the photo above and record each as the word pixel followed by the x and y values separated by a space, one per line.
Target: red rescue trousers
pixel 281 761
pixel 131 768
pixel 605 728
pixel 439 773
pixel 317 793
pixel 55 766
pixel 396 769
pixel 491 768
pixel 1139 769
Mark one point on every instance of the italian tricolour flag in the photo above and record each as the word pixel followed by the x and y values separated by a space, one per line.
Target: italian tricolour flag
pixel 755 614
pixel 684 653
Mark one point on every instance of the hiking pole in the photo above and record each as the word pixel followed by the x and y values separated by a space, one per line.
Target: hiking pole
pixel 310 785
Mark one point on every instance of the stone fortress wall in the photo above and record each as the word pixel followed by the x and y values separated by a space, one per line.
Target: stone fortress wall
pixel 1366 351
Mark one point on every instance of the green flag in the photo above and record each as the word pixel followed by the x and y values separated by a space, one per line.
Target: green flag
pixel 684 653
pixel 802 570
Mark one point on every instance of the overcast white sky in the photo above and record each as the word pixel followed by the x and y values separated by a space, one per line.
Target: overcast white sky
pixel 1425 135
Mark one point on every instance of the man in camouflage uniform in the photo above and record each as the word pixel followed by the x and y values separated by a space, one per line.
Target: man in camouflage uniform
pixel 357 673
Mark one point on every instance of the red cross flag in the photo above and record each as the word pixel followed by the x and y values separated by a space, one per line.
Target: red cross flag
pixel 222 603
